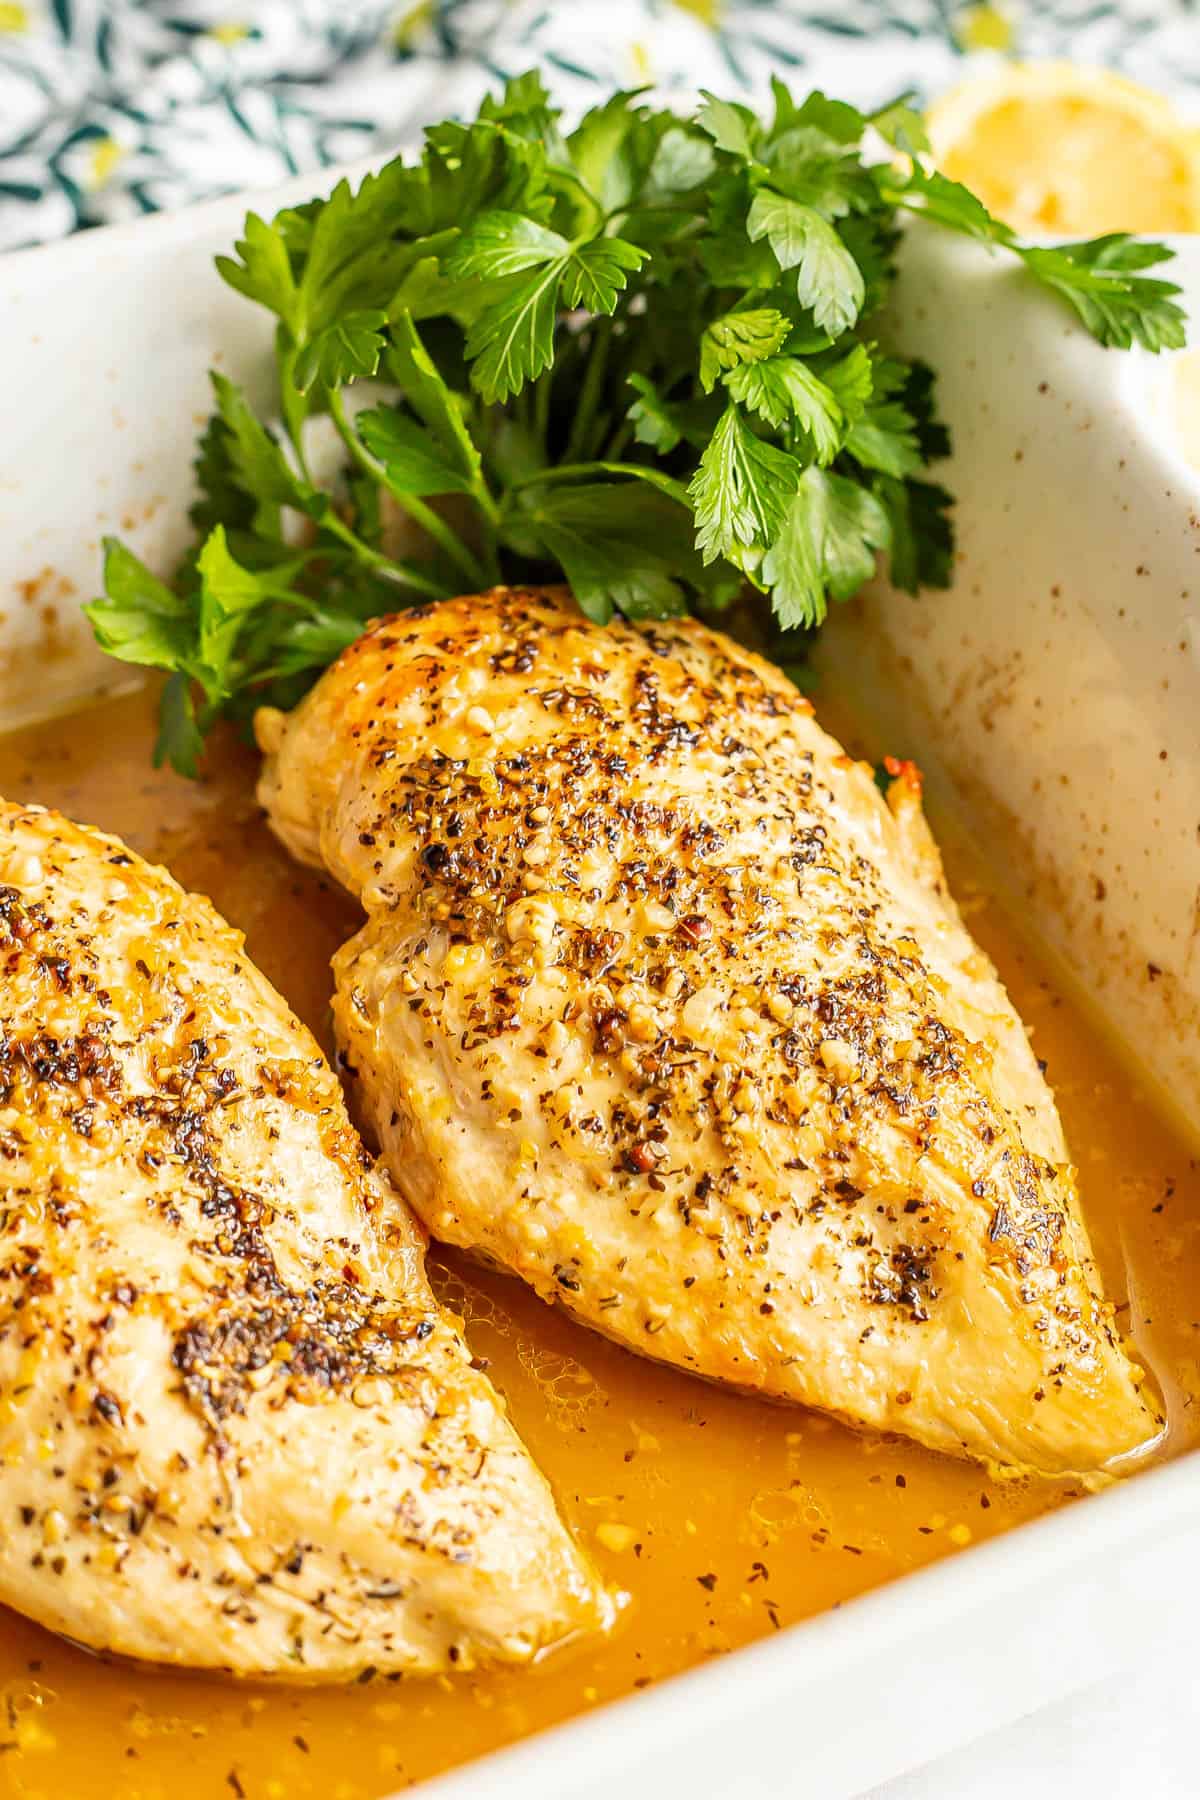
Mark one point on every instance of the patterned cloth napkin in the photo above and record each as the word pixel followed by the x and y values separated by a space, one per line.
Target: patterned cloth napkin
pixel 112 108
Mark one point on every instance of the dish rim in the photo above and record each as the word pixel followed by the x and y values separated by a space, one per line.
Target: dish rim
pixel 1164 1499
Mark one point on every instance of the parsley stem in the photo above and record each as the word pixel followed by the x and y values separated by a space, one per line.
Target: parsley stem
pixel 618 441
pixel 484 498
pixel 564 179
pixel 390 566
pixel 420 514
pixel 541 410
pixel 291 402
pixel 441 533
pixel 908 97
pixel 590 389
pixel 661 206
pixel 666 484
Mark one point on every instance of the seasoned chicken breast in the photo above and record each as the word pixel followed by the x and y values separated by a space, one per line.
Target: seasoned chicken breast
pixel 236 1429
pixel 659 1004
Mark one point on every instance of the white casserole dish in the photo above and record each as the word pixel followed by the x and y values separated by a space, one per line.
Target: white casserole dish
pixel 1033 672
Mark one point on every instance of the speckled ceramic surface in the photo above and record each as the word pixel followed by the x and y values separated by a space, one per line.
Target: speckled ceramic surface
pixel 113 108
pixel 1053 695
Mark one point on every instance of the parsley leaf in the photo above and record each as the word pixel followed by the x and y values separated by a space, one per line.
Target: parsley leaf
pixel 884 434
pixel 654 421
pixel 623 549
pixel 427 392
pixel 836 120
pixel 180 740
pixel 826 546
pixel 733 128
pixel 806 165
pixel 856 525
pixel 349 348
pixel 408 455
pixel 851 380
pixel 263 271
pixel 1099 280
pixel 597 273
pixel 140 620
pixel 227 592
pixel 511 337
pixel 505 243
pixel 900 125
pixel 257 464
pixel 740 337
pixel 786 392
pixel 740 490
pixel 946 202
pixel 634 354
pixel 793 566
pixel 827 277
pixel 921 537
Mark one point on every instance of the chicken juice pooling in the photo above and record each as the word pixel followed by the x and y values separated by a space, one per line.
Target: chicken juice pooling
pixel 722 1517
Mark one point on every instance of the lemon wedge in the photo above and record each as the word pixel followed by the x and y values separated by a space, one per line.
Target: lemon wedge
pixel 1053 148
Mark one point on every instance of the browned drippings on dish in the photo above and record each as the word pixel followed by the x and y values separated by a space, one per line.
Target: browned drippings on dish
pixel 724 1519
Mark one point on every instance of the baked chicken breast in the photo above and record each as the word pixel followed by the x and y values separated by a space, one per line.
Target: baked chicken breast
pixel 661 1005
pixel 237 1429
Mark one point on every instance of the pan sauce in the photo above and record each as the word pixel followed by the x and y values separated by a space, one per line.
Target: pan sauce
pixel 721 1517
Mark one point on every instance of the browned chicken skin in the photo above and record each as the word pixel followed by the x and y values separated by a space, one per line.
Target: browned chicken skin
pixel 660 1005
pixel 236 1428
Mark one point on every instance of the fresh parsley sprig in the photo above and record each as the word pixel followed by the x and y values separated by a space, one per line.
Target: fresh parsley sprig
pixel 639 354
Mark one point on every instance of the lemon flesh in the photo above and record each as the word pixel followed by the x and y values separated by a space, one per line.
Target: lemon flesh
pixel 1051 148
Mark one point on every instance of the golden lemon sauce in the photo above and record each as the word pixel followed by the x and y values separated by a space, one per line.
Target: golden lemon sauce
pixel 723 1519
